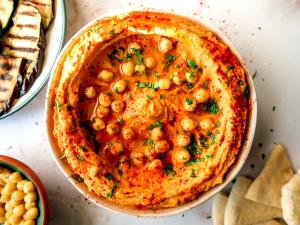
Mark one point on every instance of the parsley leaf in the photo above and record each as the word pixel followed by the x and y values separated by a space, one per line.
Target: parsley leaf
pixel 193 147
pixel 80 157
pixel 112 32
pixel 110 194
pixel 109 176
pixel 194 161
pixel 230 67
pixel 169 170
pixel 193 172
pixel 189 85
pixel 156 124
pixel 77 178
pixel 82 148
pixel 188 101
pixel 138 54
pixel 192 64
pixel 203 142
pixel 153 86
pixel 211 107
pixel 168 59
pixel 246 91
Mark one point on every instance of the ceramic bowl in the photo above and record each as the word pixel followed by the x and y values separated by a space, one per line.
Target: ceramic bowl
pixel 42 201
pixel 55 39
pixel 230 175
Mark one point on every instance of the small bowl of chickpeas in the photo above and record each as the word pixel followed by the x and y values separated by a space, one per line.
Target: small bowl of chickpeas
pixel 23 199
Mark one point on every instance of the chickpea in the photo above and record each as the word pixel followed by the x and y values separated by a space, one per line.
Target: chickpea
pixel 4 198
pixel 164 84
pixel 178 79
pixel 19 210
pixel 14 220
pixel 165 45
pixel 98 124
pixel 154 108
pixel 4 174
pixel 15 177
pixel 128 133
pixel 8 189
pixel 183 140
pixel 29 222
pixel 188 124
pixel 133 46
pixel 17 195
pixel 104 100
pixel 113 128
pixel 140 68
pixel 117 106
pixel 90 92
pixel 102 111
pixel 191 77
pixel 150 62
pixel 150 153
pixel 8 207
pixel 120 86
pixel 137 158
pixel 127 68
pixel 190 104
pixel 161 146
pixel 106 75
pixel 116 148
pixel 29 205
pixel 8 215
pixel 201 95
pixel 206 124
pixel 155 164
pixel 30 197
pixel 15 203
pixel 157 134
pixel 182 155
pixel 32 213
pixel 20 185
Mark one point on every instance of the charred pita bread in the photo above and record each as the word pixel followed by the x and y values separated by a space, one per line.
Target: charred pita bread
pixel 290 201
pixel 218 208
pixel 242 211
pixel 266 188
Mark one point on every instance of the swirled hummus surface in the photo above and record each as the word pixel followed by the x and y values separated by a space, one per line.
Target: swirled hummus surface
pixel 149 109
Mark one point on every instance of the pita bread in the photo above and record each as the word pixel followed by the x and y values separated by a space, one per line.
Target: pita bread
pixel 266 188
pixel 290 201
pixel 269 222
pixel 241 211
pixel 218 208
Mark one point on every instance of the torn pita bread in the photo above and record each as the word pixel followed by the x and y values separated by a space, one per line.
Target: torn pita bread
pixel 266 188
pixel 241 211
pixel 290 201
pixel 218 208
pixel 269 222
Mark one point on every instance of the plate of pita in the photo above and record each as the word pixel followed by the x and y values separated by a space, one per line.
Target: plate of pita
pixel 272 198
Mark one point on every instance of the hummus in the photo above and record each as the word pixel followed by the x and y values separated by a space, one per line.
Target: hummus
pixel 150 109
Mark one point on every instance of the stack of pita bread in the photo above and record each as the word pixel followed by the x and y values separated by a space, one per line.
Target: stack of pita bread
pixel 273 198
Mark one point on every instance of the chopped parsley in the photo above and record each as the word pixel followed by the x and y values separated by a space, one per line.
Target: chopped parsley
pixel 203 142
pixel 80 157
pixel 212 137
pixel 127 95
pixel 149 97
pixel 82 148
pixel 112 32
pixel 169 170
pixel 91 30
pixel 149 141
pixel 110 194
pixel 153 86
pixel 254 74
pixel 230 67
pixel 188 101
pixel 156 124
pixel 138 54
pixel 77 178
pixel 194 161
pixel 113 56
pixel 193 147
pixel 58 105
pixel 189 85
pixel 246 91
pixel 120 120
pixel 192 64
pixel 211 106
pixel 109 176
pixel 168 59
pixel 193 172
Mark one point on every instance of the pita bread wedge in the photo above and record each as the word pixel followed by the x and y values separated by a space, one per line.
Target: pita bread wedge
pixel 241 211
pixel 266 188
pixel 218 208
pixel 269 222
pixel 290 201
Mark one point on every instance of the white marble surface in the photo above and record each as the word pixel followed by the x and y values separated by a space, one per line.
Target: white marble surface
pixel 267 34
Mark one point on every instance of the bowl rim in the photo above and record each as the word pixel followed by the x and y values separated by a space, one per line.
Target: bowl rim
pixel 35 179
pixel 14 109
pixel 230 174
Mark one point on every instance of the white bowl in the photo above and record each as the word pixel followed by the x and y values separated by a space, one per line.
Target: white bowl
pixel 55 40
pixel 229 176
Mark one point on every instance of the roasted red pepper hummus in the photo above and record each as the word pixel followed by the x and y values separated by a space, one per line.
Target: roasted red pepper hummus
pixel 150 109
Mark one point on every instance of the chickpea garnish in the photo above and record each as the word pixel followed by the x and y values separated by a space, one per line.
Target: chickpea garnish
pixel 117 106
pixel 133 45
pixel 157 134
pixel 183 140
pixel 161 146
pixel 98 124
pixel 154 108
pixel 155 164
pixel 165 45
pixel 116 148
pixel 150 62
pixel 190 104
pixel 206 124
pixel 113 128
pixel 164 84
pixel 104 100
pixel 201 95
pixel 90 92
pixel 127 68
pixel 128 133
pixel 150 153
pixel 120 86
pixel 140 69
pixel 182 155
pixel 191 77
pixel 137 158
pixel 106 75
pixel 178 79
pixel 102 111
pixel 188 124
